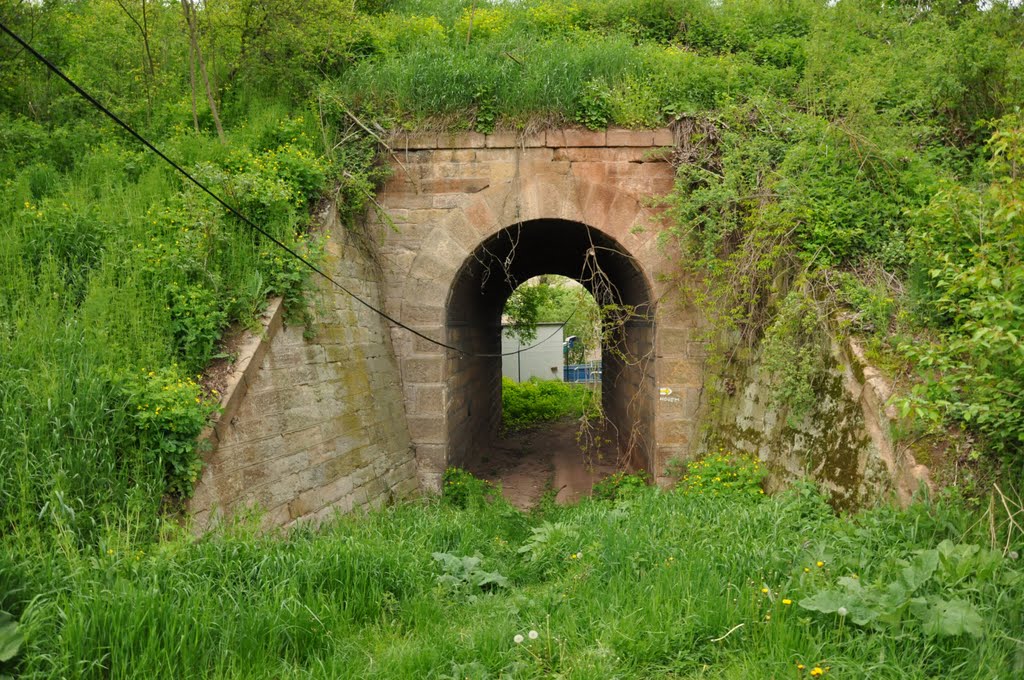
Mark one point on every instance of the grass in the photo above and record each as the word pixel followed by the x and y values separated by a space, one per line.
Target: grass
pixel 655 584
pixel 540 401
pixel 118 281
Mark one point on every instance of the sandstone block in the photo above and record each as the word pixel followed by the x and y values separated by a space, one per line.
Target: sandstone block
pixel 417 140
pixel 427 428
pixel 620 137
pixel 461 140
pixel 575 137
pixel 663 137
pixel 422 370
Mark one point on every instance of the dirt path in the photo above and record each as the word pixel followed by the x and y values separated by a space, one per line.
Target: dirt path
pixel 530 461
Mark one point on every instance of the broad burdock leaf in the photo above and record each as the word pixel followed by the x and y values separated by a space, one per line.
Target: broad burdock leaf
pixel 10 637
pixel 826 601
pixel 920 569
pixel 951 617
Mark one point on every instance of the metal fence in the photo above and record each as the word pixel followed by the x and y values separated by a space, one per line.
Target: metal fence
pixel 583 373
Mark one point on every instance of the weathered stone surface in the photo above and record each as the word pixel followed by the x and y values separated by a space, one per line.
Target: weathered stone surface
pixel 601 179
pixel 461 140
pixel 620 137
pixel 310 420
pixel 584 138
pixel 663 137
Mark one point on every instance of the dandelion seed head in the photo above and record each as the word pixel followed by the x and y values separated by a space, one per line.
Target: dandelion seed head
pixel 533 635
pixel 518 639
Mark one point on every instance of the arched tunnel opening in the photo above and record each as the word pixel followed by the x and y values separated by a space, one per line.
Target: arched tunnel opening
pixel 474 324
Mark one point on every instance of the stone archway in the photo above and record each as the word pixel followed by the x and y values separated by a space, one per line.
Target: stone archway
pixel 473 323
pixel 448 198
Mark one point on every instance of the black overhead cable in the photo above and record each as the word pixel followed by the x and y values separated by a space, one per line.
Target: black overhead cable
pixel 245 220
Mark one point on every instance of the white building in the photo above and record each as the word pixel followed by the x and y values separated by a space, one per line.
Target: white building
pixel 541 359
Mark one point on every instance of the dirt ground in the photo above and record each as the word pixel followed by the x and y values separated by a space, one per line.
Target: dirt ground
pixel 528 462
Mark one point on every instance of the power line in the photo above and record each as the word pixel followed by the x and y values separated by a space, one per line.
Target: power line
pixel 245 220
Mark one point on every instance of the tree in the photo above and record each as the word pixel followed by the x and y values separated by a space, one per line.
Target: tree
pixel 196 57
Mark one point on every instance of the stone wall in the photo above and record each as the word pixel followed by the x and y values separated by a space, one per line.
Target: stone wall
pixel 451 201
pixel 311 426
pixel 845 444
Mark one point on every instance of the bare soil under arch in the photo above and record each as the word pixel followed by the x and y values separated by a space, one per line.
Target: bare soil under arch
pixel 530 461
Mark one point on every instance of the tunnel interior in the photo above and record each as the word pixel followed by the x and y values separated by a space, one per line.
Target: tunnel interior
pixel 473 320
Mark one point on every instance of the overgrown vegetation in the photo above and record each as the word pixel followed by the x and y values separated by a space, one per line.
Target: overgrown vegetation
pixel 538 401
pixel 849 163
pixel 118 277
pixel 655 584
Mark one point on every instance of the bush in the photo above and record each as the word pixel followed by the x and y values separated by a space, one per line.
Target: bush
pixel 723 473
pixel 620 485
pixel 539 401
pixel 463 490
pixel 169 412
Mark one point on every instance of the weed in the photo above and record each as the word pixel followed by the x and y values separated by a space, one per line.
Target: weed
pixel 620 485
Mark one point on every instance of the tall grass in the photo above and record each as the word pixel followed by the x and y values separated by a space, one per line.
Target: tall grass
pixel 116 280
pixel 654 585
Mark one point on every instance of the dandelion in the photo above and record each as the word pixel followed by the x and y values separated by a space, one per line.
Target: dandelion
pixel 842 611
pixel 518 639
pixel 764 590
pixel 533 635
pixel 817 671
pixel 787 602
pixel 820 564
pixel 800 666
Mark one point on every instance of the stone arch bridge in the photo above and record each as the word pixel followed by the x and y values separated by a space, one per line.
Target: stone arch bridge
pixel 473 216
pixel 359 411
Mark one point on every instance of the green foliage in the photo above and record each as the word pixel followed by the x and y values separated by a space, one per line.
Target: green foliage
pixel 11 639
pixel 523 311
pixel 620 485
pixel 793 357
pixel 593 109
pixel 465 573
pixel 554 299
pixel 968 257
pixel 723 473
pixel 659 578
pixel 462 489
pixel 538 401
pixel 138 273
pixel 932 591
pixel 169 411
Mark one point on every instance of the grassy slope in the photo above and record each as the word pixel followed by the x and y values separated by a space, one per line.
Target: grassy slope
pixel 642 587
pixel 80 489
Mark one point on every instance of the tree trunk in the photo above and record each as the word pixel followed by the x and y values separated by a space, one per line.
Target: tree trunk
pixel 148 65
pixel 193 34
pixel 192 82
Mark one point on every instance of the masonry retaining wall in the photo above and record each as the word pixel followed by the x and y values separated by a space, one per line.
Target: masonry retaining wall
pixel 312 426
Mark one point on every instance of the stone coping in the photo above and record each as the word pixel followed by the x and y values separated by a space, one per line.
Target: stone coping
pixel 251 349
pixel 565 138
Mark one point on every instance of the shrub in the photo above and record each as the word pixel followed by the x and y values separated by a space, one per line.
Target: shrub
pixel 463 490
pixel 620 485
pixel 538 401
pixel 723 473
pixel 169 412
